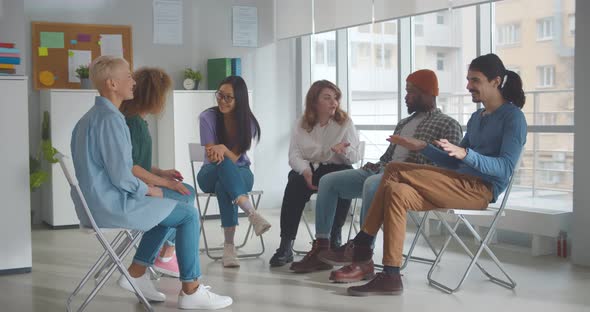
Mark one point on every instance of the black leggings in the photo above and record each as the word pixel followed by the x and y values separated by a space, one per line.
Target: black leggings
pixel 297 194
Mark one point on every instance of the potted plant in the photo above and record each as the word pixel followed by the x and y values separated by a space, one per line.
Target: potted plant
pixel 83 73
pixel 37 176
pixel 191 79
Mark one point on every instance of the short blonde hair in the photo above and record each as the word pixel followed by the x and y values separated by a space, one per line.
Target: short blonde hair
pixel 102 69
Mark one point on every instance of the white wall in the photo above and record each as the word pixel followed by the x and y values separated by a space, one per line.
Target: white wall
pixel 581 210
pixel 268 70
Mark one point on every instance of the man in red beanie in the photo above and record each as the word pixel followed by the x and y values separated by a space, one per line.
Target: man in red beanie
pixel 427 123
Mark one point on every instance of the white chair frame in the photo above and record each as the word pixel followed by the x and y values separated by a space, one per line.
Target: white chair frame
pixel 113 254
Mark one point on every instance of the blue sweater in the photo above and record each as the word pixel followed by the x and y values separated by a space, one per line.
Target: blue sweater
pixel 494 143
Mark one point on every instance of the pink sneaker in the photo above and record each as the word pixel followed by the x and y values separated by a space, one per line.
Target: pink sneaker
pixel 169 268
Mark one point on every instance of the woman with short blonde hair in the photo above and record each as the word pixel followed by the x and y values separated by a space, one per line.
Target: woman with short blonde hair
pixel 101 152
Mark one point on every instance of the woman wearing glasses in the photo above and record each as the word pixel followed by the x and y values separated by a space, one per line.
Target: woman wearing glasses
pixel 324 140
pixel 227 131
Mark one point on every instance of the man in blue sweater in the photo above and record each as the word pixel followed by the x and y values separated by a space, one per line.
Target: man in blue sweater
pixel 469 176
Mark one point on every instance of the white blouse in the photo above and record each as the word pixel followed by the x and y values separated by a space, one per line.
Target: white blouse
pixel 315 147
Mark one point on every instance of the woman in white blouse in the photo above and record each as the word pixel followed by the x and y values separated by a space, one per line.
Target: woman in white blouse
pixel 324 140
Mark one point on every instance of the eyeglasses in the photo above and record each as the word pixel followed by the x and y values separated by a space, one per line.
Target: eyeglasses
pixel 226 98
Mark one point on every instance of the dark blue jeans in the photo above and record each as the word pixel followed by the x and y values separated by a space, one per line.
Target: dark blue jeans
pixel 185 219
pixel 188 199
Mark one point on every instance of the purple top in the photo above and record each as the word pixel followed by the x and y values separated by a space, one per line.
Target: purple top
pixel 207 127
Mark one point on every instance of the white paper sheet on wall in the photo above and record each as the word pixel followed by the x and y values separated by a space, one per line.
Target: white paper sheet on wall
pixel 167 21
pixel 75 59
pixel 111 45
pixel 245 26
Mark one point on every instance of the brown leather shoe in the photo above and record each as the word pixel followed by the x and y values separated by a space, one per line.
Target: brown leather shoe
pixel 382 284
pixel 339 256
pixel 353 273
pixel 311 262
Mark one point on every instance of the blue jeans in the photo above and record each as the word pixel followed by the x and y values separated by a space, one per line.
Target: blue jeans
pixel 347 184
pixel 185 219
pixel 187 199
pixel 228 181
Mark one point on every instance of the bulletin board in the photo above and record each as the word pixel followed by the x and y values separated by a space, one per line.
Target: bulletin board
pixel 58 49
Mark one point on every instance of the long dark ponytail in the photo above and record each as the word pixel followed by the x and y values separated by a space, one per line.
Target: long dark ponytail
pixel 243 116
pixel 510 86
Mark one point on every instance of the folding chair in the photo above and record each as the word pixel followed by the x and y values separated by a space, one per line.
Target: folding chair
pixel 114 251
pixel 197 155
pixel 461 215
pixel 351 214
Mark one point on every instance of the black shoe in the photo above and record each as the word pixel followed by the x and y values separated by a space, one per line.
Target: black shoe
pixel 284 253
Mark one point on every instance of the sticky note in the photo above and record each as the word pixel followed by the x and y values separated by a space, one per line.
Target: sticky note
pixel 46 78
pixel 43 51
pixel 70 53
pixel 52 39
pixel 73 41
pixel 99 43
pixel 84 37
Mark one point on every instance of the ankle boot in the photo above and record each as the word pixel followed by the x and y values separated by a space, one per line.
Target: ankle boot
pixel 284 253
pixel 311 262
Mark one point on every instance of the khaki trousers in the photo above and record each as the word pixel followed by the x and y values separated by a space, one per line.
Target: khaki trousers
pixel 407 186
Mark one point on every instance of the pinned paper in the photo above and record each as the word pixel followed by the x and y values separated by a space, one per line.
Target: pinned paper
pixel 52 39
pixel 84 37
pixel 77 58
pixel 111 45
pixel 43 51
pixel 73 41
pixel 46 78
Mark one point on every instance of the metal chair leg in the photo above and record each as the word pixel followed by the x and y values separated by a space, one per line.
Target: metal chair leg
pixel 115 263
pixel 255 201
pixel 474 257
pixel 419 233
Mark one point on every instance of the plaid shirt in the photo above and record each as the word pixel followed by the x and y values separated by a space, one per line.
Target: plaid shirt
pixel 435 126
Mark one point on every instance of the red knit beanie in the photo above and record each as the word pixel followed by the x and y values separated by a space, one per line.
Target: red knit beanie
pixel 425 80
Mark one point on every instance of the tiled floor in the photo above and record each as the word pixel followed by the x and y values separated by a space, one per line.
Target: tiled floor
pixel 61 257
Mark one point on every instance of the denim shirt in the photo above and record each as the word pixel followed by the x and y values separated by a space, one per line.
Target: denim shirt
pixel 101 152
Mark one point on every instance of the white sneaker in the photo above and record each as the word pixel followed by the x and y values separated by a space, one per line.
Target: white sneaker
pixel 230 256
pixel 260 224
pixel 145 285
pixel 203 299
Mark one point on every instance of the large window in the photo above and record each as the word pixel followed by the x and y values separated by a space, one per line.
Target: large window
pixel 448 49
pixel 446 42
pixel 323 56
pixel 373 85
pixel 546 176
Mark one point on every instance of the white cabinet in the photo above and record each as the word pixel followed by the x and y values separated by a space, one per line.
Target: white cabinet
pixel 65 108
pixel 179 125
pixel 15 211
